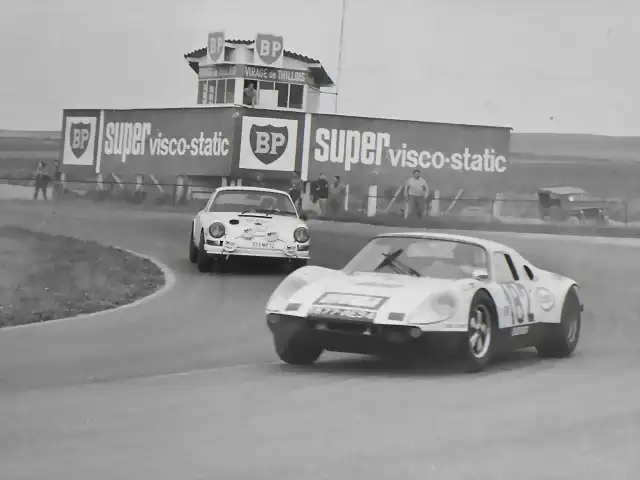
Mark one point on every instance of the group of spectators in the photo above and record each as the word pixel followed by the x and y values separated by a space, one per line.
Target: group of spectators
pixel 330 196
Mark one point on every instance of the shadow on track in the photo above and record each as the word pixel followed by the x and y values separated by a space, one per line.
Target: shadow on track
pixel 427 366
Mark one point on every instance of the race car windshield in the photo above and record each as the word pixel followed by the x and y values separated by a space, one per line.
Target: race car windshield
pixel 419 257
pixel 247 201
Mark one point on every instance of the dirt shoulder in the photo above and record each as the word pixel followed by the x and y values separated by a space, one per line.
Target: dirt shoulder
pixel 45 277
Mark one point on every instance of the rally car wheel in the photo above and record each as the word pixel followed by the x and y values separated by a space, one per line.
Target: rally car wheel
pixel 479 345
pixel 561 339
pixel 203 261
pixel 298 353
pixel 193 250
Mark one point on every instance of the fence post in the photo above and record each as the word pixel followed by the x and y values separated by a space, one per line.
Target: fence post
pixel 372 200
pixel 346 198
pixel 179 190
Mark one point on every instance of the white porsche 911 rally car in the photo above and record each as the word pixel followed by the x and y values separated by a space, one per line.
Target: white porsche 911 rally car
pixel 406 291
pixel 251 222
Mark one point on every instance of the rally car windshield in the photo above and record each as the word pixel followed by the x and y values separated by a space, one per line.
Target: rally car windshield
pixel 420 257
pixel 248 201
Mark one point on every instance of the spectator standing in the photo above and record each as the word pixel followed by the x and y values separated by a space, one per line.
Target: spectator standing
pixel 416 191
pixel 335 201
pixel 259 181
pixel 321 192
pixel 42 180
pixel 296 192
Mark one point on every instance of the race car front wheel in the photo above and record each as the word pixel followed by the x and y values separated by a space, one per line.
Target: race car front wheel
pixel 296 352
pixel 193 250
pixel 479 345
pixel 561 339
pixel 203 260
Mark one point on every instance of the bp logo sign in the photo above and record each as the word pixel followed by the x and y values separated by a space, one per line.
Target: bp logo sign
pixel 80 140
pixel 268 144
pixel 79 136
pixel 269 48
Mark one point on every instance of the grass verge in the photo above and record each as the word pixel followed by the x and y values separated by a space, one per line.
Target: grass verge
pixel 46 277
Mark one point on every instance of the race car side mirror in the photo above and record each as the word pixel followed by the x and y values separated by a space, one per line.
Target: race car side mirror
pixel 480 274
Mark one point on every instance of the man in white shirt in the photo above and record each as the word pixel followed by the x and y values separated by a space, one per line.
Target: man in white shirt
pixel 416 192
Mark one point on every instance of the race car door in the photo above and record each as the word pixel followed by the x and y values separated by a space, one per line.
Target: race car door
pixel 517 292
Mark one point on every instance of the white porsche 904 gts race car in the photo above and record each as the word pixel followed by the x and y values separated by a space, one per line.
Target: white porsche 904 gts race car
pixel 250 222
pixel 406 291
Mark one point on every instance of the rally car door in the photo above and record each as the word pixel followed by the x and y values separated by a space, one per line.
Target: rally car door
pixel 518 292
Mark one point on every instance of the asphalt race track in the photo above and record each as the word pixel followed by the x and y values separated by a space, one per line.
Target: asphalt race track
pixel 188 386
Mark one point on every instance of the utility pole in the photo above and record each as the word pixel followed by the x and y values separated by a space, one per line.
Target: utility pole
pixel 338 79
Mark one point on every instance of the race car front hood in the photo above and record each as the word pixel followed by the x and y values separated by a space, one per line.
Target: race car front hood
pixel 383 293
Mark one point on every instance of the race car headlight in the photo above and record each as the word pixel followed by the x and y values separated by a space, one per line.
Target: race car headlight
pixel 301 235
pixel 283 292
pixel 216 230
pixel 545 298
pixel 437 308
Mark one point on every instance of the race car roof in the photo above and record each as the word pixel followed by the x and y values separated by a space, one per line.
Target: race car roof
pixel 488 244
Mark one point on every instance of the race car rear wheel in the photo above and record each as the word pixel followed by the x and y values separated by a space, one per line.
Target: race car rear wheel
pixel 482 330
pixel 203 260
pixel 193 249
pixel 296 352
pixel 561 339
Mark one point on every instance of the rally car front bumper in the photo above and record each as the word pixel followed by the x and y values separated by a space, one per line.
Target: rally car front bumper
pixel 282 250
pixel 366 338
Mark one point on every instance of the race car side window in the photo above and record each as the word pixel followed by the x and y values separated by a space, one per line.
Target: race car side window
pixel 522 268
pixel 529 272
pixel 512 267
pixel 502 270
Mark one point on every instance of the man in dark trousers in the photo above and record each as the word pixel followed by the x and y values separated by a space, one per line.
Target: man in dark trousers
pixel 296 191
pixel 42 180
pixel 335 202
pixel 321 192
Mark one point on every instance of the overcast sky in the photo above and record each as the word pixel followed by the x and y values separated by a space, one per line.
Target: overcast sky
pixel 539 65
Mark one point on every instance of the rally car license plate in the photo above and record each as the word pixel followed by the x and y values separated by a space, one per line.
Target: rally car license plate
pixel 263 245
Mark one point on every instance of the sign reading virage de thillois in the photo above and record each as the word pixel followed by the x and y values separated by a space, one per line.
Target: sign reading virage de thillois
pixel 169 142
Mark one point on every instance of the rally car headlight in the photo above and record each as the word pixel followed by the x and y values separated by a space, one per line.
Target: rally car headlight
pixel 301 235
pixel 283 292
pixel 443 305
pixel 216 230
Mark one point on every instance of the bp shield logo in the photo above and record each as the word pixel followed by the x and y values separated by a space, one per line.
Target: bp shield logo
pixel 79 136
pixel 269 48
pixel 215 45
pixel 268 142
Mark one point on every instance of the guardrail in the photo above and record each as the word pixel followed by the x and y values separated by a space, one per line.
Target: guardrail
pixel 503 209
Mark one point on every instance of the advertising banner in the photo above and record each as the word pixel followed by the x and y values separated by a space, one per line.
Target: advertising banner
pixel 269 141
pixel 194 141
pixel 80 140
pixel 366 151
